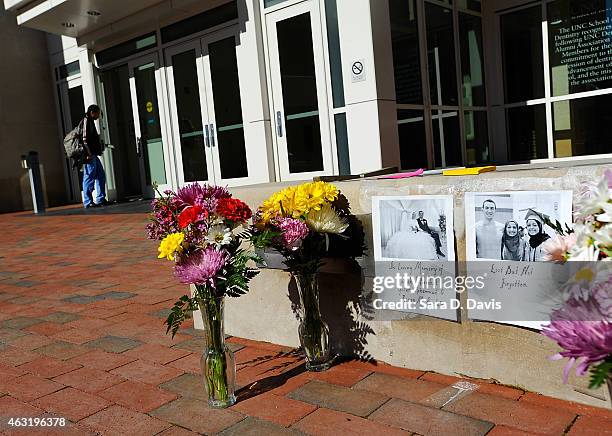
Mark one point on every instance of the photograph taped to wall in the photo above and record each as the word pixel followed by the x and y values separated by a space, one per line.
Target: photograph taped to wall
pixel 413 228
pixel 509 228
pixel 414 239
pixel 512 225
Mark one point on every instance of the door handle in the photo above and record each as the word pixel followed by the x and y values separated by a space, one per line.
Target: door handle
pixel 206 136
pixel 212 135
pixel 138 146
pixel 279 124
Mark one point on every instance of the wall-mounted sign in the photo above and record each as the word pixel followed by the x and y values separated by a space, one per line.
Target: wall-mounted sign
pixel 149 106
pixel 358 71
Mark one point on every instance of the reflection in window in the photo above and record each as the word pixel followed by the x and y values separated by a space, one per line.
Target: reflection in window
pixel 189 116
pixel 472 71
pixel 577 28
pixel 413 146
pixel 405 44
pixel 228 109
pixel 473 5
pixel 300 100
pixel 441 55
pixel 446 139
pixel 526 133
pixel 476 137
pixel 521 34
pixel 580 126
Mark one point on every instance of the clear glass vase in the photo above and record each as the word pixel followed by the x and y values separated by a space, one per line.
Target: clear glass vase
pixel 313 331
pixel 218 363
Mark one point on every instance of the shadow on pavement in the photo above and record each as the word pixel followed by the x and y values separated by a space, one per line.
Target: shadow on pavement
pixel 130 207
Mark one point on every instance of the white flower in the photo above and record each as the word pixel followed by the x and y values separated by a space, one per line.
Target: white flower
pixel 219 235
pixel 584 253
pixel 594 200
pixel 326 220
pixel 605 217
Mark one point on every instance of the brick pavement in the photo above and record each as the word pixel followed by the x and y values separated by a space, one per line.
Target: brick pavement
pixel 82 301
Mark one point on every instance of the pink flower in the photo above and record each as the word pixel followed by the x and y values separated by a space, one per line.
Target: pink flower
pixel 583 342
pixel 556 249
pixel 201 267
pixel 293 232
pixel 608 176
pixel 195 193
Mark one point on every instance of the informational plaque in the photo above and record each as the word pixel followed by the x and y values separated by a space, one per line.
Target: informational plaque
pixel 580 45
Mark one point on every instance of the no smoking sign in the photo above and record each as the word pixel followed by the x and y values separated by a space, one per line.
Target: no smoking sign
pixel 358 71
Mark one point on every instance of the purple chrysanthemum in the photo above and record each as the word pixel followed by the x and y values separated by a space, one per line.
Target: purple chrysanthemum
pixel 583 342
pixel 201 267
pixel 205 195
pixel 293 232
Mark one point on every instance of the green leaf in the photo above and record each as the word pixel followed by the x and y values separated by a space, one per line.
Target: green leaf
pixel 181 311
pixel 600 374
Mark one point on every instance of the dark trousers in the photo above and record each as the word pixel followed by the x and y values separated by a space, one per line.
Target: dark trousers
pixel 436 238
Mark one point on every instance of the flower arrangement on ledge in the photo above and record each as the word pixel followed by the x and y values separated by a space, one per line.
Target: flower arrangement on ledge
pixel 582 326
pixel 201 230
pixel 307 223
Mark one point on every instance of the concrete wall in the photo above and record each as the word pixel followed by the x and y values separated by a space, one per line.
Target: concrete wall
pixel 27 115
pixel 508 354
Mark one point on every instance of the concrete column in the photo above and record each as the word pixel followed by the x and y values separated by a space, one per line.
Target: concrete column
pixel 90 96
pixel 253 93
pixel 370 99
pixel 87 76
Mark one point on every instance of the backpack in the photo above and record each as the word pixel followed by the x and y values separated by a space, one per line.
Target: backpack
pixel 73 143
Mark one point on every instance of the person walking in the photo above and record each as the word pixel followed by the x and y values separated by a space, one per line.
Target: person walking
pixel 93 172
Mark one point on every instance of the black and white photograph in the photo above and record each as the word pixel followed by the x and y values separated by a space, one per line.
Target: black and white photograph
pixel 512 225
pixel 413 228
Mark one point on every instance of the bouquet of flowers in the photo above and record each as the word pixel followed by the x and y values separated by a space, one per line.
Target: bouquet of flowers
pixel 582 326
pixel 200 229
pixel 307 223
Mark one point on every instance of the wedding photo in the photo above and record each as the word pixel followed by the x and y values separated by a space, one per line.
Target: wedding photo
pixel 512 225
pixel 413 228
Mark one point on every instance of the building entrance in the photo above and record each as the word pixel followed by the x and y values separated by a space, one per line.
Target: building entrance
pixel 206 111
pixel 135 128
pixel 299 98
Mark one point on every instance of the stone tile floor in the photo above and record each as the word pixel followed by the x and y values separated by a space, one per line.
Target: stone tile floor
pixel 82 301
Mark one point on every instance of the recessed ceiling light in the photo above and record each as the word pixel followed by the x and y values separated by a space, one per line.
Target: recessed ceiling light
pixel 68 24
pixel 94 13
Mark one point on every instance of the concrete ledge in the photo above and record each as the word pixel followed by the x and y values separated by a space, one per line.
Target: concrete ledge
pixel 508 354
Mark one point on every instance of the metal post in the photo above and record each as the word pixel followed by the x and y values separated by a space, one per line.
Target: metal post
pixel 32 164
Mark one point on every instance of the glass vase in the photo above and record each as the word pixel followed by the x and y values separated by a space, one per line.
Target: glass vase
pixel 313 331
pixel 218 363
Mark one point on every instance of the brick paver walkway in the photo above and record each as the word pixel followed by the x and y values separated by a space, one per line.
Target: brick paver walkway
pixel 82 301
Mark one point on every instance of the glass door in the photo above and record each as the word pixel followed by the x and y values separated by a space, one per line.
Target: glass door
pixel 189 117
pixel 298 91
pixel 70 95
pixel 206 111
pixel 225 109
pixel 149 129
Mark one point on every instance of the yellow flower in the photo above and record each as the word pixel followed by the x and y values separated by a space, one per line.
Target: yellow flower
pixel 171 245
pixel 326 220
pixel 298 201
pixel 585 274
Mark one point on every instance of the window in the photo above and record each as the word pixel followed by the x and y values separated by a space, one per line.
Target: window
pixel 565 120
pixel 581 126
pixel 439 44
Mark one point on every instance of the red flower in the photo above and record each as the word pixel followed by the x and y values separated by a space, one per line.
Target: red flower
pixel 190 215
pixel 234 210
